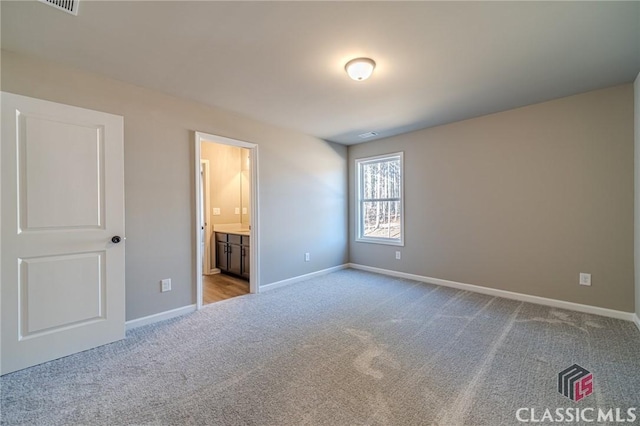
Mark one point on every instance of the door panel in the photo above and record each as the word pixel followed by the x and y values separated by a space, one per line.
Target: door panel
pixel 235 258
pixel 50 173
pixel 221 255
pixel 45 307
pixel 246 262
pixel 62 195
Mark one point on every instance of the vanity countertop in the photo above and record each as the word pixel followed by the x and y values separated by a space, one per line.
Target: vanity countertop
pixel 244 232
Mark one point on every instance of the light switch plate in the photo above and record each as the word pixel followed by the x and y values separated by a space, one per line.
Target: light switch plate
pixel 216 211
pixel 165 285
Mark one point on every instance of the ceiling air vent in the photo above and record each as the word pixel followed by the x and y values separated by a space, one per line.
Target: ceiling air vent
pixel 69 6
pixel 367 135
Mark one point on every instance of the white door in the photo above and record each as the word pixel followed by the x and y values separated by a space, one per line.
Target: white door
pixel 62 197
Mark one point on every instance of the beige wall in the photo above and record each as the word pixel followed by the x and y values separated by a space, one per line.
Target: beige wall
pixel 225 185
pixel 302 182
pixel 245 187
pixel 522 200
pixel 636 114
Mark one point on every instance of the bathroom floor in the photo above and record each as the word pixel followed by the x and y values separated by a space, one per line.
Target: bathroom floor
pixel 221 286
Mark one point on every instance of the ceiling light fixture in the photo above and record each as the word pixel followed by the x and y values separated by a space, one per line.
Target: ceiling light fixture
pixel 360 69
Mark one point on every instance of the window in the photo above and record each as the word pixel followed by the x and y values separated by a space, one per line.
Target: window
pixel 379 199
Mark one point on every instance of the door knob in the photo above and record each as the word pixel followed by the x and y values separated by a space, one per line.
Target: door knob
pixel 116 239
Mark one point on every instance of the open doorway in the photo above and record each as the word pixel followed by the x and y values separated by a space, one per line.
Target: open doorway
pixel 227 218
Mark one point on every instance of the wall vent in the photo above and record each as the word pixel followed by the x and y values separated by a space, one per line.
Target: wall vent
pixel 367 135
pixel 69 6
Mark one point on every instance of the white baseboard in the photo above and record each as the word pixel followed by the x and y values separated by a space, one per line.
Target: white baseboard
pixel 636 320
pixel 628 316
pixel 299 278
pixel 139 322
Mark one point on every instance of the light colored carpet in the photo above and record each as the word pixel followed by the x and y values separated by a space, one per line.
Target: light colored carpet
pixel 347 348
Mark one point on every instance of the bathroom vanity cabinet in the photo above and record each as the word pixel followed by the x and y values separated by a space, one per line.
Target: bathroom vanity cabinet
pixel 232 253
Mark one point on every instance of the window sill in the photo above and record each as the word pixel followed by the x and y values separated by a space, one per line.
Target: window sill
pixel 380 241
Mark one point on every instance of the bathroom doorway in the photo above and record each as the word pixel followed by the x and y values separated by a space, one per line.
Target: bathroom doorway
pixel 226 217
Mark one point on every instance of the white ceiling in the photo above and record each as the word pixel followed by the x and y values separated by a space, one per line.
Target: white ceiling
pixel 282 62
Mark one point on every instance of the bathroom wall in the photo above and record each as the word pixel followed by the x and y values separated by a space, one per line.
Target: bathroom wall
pixel 245 187
pixel 224 181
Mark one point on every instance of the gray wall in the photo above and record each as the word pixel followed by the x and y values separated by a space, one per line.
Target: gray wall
pixel 303 188
pixel 522 200
pixel 636 114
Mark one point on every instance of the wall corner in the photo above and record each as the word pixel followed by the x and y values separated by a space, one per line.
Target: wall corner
pixel 636 214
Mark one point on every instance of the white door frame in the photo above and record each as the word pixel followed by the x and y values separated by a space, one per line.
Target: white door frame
pixel 254 280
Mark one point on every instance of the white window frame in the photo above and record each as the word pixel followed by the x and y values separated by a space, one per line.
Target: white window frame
pixel 359 226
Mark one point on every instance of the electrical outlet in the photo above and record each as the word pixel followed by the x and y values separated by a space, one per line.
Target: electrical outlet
pixel 398 255
pixel 585 279
pixel 307 257
pixel 216 211
pixel 244 210
pixel 165 285
pixel 237 211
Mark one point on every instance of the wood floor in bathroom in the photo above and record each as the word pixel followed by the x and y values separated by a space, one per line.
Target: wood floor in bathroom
pixel 221 286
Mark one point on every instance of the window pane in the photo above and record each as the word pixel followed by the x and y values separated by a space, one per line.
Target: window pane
pixel 381 219
pixel 381 179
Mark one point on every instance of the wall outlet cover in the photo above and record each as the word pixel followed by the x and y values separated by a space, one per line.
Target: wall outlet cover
pixel 165 285
pixel 216 211
pixel 585 279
